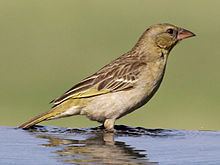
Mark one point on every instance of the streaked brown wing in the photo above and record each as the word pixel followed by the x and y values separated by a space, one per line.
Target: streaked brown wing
pixel 111 78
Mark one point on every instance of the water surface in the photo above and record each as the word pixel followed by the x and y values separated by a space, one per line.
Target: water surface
pixel 58 146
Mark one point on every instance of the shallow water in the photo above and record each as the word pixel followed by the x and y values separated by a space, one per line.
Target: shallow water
pixel 58 146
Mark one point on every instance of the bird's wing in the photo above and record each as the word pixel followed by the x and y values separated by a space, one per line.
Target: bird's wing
pixel 114 77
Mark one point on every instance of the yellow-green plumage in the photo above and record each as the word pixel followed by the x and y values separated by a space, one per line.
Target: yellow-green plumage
pixel 123 85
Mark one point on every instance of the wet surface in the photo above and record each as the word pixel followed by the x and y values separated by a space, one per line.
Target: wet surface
pixel 131 146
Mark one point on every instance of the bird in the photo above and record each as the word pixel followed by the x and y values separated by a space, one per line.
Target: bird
pixel 123 85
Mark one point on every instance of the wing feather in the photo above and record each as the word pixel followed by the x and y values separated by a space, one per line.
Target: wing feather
pixel 111 78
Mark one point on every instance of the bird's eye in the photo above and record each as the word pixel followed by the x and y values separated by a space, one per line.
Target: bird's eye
pixel 170 31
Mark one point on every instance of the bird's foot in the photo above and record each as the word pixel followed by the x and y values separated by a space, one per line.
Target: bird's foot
pixel 109 125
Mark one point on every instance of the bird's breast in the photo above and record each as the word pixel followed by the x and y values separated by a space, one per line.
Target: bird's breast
pixel 150 80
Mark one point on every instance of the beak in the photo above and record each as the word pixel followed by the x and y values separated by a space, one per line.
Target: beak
pixel 183 33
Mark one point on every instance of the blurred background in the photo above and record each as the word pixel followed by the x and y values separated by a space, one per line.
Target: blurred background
pixel 48 46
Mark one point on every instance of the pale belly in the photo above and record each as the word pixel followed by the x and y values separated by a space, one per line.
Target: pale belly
pixel 112 105
pixel 118 104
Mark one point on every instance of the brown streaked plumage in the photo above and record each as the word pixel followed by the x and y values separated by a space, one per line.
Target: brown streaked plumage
pixel 120 75
pixel 123 85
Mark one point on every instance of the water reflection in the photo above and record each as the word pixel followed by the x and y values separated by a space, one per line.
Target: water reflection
pixel 95 148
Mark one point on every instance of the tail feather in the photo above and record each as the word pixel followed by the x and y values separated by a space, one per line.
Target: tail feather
pixel 37 119
pixel 65 109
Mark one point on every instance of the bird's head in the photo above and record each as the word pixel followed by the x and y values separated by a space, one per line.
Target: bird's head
pixel 166 36
pixel 163 36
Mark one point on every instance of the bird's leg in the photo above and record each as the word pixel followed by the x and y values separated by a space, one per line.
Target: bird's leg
pixel 109 125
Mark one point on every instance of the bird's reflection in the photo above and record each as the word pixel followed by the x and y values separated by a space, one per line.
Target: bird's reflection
pixel 95 148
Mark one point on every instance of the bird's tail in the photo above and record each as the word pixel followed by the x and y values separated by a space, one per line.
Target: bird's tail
pixel 67 108
pixel 37 119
